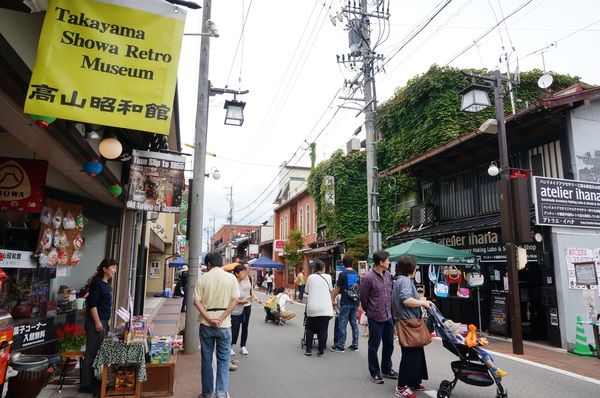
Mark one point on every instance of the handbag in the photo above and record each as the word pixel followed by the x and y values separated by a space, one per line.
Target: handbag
pixel 453 275
pixel 413 333
pixel 441 287
pixel 474 279
pixel 431 273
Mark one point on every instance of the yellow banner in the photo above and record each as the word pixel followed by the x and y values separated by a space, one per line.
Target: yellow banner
pixel 108 62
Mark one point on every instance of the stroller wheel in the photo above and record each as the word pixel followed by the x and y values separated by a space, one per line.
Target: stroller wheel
pixel 445 384
pixel 501 394
pixel 443 393
pixel 302 342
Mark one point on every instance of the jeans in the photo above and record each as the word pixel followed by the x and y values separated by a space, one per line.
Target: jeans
pixel 336 331
pixel 209 339
pixel 300 292
pixel 380 332
pixel 348 313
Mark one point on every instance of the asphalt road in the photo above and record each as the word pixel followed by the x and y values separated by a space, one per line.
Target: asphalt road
pixel 276 367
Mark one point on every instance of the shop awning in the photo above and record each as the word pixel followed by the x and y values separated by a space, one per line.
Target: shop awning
pixel 322 249
pixel 178 263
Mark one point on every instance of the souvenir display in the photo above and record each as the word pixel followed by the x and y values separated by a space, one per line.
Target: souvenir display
pixel 78 242
pixel 57 218
pixel 75 258
pixel 46 215
pixel 69 221
pixel 46 242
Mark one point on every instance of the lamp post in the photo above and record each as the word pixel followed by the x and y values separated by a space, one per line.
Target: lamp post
pixel 474 101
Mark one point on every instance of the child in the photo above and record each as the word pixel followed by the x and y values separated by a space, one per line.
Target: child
pixel 486 355
pixel 363 320
pixel 336 327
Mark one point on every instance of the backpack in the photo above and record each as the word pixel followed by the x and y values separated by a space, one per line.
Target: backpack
pixel 274 305
pixel 353 292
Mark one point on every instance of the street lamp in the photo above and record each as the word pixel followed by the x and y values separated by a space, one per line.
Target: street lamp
pixel 474 101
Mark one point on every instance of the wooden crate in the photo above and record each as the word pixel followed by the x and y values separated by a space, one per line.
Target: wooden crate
pixel 161 379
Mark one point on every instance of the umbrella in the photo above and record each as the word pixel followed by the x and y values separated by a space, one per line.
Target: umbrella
pixel 178 263
pixel 229 267
pixel 426 252
pixel 265 262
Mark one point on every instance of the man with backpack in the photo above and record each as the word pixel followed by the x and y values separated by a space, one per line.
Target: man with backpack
pixel 348 285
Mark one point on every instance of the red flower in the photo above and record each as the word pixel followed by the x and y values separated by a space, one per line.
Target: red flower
pixel 71 337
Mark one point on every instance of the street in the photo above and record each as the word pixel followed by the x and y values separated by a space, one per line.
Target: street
pixel 277 367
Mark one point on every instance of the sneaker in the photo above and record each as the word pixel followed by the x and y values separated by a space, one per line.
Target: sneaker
pixel 500 373
pixel 232 367
pixel 376 379
pixel 232 353
pixel 392 374
pixel 233 361
pixel 353 348
pixel 337 349
pixel 420 388
pixel 321 354
pixel 307 353
pixel 404 392
pixel 244 350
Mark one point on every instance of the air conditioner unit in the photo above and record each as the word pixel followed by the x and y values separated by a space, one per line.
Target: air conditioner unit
pixel 422 215
pixel 353 145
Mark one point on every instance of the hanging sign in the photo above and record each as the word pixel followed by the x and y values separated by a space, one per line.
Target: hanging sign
pixel 22 183
pixel 156 182
pixel 108 62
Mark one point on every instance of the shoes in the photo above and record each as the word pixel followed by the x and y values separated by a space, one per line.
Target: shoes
pixel 392 374
pixel 244 350
pixel 376 379
pixel 420 388
pixel 232 367
pixel 353 348
pixel 337 349
pixel 233 361
pixel 90 389
pixel 500 373
pixel 231 352
pixel 321 354
pixel 404 392
pixel 307 353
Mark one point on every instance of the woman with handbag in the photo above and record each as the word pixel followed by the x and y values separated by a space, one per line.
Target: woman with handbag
pixel 408 307
pixel 319 308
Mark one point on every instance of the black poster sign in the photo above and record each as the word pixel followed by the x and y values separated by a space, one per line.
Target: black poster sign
pixel 498 315
pixel 567 203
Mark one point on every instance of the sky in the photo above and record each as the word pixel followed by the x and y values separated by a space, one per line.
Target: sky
pixel 284 53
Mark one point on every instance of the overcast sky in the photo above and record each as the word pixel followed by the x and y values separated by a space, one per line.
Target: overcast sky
pixel 286 58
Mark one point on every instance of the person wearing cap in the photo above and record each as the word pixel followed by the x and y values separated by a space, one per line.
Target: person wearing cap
pixel 489 360
pixel 183 279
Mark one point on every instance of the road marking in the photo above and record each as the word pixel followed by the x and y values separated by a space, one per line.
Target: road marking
pixel 550 368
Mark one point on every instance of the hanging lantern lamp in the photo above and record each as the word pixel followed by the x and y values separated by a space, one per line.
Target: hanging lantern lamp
pixel 92 167
pixel 115 190
pixel 42 121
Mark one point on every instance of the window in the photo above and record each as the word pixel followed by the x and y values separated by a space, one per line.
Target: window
pixel 301 220
pixel 308 231
pixel 281 228
pixel 285 228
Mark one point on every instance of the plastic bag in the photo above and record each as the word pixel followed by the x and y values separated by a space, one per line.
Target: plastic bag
pixel 78 242
pixel 69 221
pixel 46 242
pixel 52 257
pixel 57 218
pixel 80 221
pixel 75 258
pixel 46 215
pixel 63 258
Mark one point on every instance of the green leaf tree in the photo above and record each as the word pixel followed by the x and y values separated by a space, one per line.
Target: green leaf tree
pixel 291 249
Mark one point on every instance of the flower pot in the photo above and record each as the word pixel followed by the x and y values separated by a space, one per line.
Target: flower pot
pixel 71 364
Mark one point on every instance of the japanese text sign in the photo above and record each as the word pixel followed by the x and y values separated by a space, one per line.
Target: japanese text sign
pixel 108 62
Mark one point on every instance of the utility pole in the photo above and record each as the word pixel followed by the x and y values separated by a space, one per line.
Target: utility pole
pixel 361 52
pixel 230 219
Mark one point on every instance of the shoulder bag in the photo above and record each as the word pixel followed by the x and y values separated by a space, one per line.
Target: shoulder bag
pixel 413 333
pixel 441 287
pixel 453 275
pixel 475 279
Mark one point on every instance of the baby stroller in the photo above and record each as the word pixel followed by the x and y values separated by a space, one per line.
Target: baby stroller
pixel 303 338
pixel 470 368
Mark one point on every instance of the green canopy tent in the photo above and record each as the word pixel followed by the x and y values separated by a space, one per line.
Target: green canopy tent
pixel 426 252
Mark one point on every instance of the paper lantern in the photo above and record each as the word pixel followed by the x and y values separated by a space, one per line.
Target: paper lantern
pixel 42 121
pixel 115 190
pixel 110 148
pixel 92 167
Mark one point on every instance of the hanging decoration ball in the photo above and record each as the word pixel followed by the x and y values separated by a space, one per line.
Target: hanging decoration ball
pixel 92 167
pixel 110 148
pixel 115 190
pixel 42 121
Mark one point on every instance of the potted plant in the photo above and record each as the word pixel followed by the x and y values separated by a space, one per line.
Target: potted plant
pixel 71 337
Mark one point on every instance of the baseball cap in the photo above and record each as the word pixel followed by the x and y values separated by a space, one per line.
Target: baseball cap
pixel 184 268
